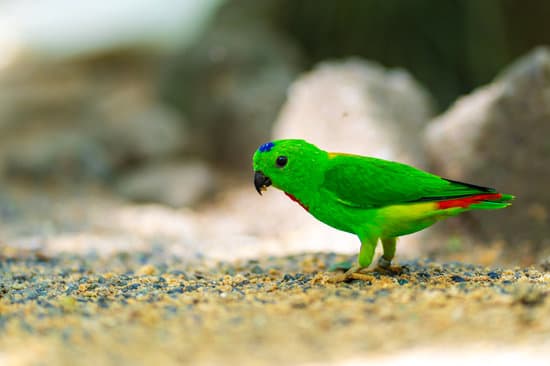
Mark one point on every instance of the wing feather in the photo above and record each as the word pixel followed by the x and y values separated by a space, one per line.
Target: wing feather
pixel 366 182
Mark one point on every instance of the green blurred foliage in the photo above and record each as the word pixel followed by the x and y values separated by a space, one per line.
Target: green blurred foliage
pixel 451 46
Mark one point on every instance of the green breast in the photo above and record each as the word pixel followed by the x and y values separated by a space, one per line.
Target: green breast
pixel 341 217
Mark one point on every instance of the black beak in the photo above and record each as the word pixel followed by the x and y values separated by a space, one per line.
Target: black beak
pixel 261 182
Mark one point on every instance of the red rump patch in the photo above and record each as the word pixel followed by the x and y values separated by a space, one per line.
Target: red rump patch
pixel 297 200
pixel 464 202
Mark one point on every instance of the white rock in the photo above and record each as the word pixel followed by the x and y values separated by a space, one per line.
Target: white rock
pixel 499 137
pixel 358 107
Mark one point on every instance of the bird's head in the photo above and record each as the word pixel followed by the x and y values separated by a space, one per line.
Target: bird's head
pixel 290 165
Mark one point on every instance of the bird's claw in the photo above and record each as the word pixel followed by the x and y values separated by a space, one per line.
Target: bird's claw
pixel 353 273
pixel 395 270
pixel 384 266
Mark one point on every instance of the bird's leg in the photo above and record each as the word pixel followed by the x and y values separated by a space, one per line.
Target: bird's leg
pixel 384 262
pixel 389 245
pixel 366 253
pixel 364 259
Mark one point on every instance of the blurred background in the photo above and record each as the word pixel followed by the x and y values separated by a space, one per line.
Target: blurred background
pixel 131 124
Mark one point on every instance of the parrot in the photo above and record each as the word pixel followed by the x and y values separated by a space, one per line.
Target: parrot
pixel 375 199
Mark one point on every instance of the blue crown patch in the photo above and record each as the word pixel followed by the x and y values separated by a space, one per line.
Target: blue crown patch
pixel 266 147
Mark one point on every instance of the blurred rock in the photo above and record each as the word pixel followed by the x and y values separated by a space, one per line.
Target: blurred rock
pixel 55 154
pixel 87 119
pixel 137 126
pixel 357 106
pixel 174 184
pixel 499 137
pixel 232 83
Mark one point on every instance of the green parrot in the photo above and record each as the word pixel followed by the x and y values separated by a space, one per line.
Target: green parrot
pixel 372 198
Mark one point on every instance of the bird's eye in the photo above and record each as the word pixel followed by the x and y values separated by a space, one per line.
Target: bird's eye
pixel 281 161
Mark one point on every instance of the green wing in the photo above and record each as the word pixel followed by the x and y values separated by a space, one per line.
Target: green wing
pixel 366 182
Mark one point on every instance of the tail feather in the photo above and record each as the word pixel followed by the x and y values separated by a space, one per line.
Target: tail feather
pixel 493 204
pixel 506 197
pixel 489 205
pixel 490 201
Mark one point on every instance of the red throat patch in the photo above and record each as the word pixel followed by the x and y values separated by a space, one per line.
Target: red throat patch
pixel 464 202
pixel 297 201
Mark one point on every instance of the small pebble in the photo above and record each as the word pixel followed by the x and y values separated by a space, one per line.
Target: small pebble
pixel 256 269
pixel 147 270
pixel 457 278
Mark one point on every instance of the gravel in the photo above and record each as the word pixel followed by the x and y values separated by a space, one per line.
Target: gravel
pixel 144 308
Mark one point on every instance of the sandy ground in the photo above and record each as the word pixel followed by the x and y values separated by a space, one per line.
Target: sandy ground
pixel 141 309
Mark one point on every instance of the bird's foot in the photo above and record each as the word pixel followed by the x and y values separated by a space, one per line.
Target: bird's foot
pixel 353 273
pixel 395 270
pixel 384 266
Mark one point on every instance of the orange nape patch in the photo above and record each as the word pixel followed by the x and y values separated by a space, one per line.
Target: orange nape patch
pixel 464 202
pixel 333 155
